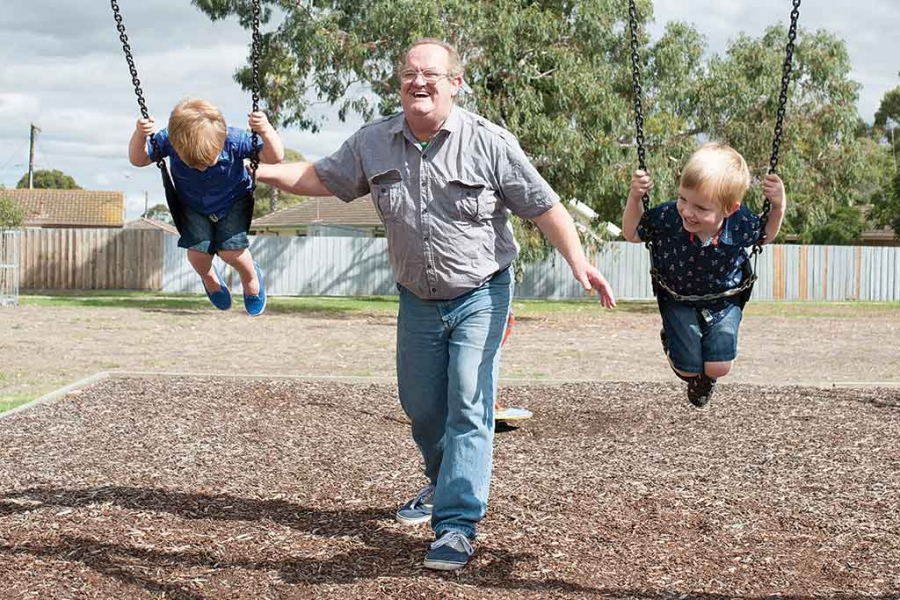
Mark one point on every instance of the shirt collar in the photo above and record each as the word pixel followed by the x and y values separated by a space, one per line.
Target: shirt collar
pixel 450 124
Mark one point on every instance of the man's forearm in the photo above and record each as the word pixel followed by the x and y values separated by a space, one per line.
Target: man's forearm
pixel 295 178
pixel 559 228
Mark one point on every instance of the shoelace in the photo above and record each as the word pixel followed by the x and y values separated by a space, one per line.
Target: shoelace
pixel 420 497
pixel 456 540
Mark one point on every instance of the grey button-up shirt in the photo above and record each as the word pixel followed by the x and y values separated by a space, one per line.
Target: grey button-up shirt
pixel 445 208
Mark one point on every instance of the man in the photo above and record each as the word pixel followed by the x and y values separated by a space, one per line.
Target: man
pixel 443 181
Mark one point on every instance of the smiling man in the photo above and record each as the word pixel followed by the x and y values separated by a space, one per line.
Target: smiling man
pixel 444 181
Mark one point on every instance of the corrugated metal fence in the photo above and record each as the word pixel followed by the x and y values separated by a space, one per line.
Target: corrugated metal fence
pixel 83 259
pixel 9 267
pixel 332 266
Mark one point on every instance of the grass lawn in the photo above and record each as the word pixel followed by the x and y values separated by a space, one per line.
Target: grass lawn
pixel 322 305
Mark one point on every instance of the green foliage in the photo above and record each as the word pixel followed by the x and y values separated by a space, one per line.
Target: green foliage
pixel 49 180
pixel 886 210
pixel 889 108
pixel 843 227
pixel 558 76
pixel 159 212
pixel 264 193
pixel 11 214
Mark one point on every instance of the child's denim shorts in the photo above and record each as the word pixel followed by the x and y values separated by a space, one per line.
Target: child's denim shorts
pixel 203 234
pixel 693 341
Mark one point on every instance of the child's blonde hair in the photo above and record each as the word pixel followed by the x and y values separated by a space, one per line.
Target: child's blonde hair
pixel 197 132
pixel 718 172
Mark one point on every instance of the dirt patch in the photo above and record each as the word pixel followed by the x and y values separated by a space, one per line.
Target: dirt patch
pixel 44 348
pixel 221 488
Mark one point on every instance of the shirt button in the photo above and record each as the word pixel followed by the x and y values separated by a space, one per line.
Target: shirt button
pixel 425 238
pixel 424 210
pixel 433 290
pixel 431 268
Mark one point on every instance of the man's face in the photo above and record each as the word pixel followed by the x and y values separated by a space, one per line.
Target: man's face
pixel 426 87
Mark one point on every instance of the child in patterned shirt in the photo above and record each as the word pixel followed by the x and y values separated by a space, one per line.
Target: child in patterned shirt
pixel 698 249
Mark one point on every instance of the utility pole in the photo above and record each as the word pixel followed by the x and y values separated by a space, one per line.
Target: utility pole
pixel 34 132
pixel 146 200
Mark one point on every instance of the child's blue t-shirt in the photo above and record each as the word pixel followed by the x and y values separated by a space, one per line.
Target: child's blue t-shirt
pixel 216 189
pixel 691 267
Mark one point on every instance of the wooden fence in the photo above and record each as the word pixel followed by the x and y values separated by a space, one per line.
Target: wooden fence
pixel 91 259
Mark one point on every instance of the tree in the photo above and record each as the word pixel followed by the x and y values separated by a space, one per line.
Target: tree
pixel 12 215
pixel 269 199
pixel 159 212
pixel 558 76
pixel 49 180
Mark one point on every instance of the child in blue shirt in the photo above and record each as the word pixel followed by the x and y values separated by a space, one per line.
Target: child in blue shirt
pixel 207 165
pixel 698 249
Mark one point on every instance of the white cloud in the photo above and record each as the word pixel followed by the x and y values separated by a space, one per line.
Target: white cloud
pixel 64 70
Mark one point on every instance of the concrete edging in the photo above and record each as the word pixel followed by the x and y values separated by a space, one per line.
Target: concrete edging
pixel 104 375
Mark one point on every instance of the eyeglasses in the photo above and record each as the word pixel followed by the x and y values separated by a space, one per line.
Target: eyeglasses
pixel 410 75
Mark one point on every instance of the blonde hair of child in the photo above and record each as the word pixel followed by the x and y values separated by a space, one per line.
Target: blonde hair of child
pixel 197 132
pixel 718 172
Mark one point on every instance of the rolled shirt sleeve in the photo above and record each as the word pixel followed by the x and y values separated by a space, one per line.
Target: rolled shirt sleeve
pixel 342 172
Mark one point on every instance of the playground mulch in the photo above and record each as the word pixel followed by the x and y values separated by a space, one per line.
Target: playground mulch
pixel 231 488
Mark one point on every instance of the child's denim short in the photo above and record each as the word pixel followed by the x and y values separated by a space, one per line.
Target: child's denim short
pixel 203 234
pixel 693 341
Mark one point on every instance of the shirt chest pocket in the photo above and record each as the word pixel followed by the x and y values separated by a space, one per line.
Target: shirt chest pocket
pixel 387 192
pixel 474 201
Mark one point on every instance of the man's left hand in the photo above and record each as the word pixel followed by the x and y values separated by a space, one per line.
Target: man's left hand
pixel 592 279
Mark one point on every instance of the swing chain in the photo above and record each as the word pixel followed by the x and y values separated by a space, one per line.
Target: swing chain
pixel 779 119
pixel 255 53
pixel 638 93
pixel 639 114
pixel 120 26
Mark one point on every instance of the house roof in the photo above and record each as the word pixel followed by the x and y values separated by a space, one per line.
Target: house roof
pixel 70 208
pixel 145 223
pixel 328 211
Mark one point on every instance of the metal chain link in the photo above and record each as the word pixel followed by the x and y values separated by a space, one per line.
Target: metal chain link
pixel 120 26
pixel 746 284
pixel 779 119
pixel 254 59
pixel 649 232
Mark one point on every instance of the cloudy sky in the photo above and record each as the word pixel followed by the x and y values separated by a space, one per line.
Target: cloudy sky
pixel 64 71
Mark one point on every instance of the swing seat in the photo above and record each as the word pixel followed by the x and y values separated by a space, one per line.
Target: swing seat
pixel 511 413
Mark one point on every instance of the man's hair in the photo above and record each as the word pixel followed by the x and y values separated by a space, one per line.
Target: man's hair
pixel 454 64
pixel 197 132
pixel 719 172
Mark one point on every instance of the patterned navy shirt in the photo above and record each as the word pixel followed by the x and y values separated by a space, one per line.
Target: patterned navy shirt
pixel 692 267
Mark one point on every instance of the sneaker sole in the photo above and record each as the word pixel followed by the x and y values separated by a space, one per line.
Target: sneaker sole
pixel 442 565
pixel 412 520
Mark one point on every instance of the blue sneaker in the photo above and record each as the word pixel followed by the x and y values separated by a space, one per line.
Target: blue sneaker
pixel 417 510
pixel 450 552
pixel 222 298
pixel 255 304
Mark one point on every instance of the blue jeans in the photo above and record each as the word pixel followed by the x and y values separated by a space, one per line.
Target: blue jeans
pixel 448 362
pixel 694 340
pixel 226 233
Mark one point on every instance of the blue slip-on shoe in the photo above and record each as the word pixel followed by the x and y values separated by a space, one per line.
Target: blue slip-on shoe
pixel 222 298
pixel 450 552
pixel 255 304
pixel 417 510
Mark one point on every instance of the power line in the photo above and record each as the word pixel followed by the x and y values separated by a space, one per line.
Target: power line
pixel 5 164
